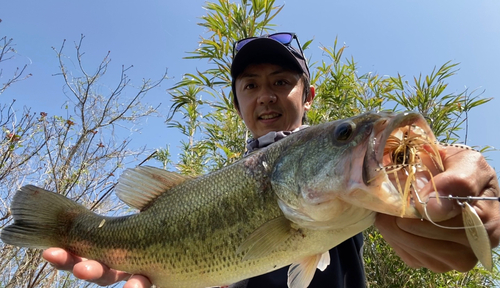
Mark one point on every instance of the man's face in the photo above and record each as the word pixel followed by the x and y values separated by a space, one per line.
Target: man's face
pixel 271 99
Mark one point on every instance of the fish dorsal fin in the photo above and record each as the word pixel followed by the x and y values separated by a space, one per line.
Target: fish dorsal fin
pixel 139 186
pixel 300 274
pixel 266 238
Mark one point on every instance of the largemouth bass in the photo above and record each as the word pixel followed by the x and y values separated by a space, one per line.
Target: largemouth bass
pixel 288 203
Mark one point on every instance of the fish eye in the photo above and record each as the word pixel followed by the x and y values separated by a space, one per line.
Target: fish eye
pixel 343 131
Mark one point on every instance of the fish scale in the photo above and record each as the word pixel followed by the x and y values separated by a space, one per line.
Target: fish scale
pixel 205 220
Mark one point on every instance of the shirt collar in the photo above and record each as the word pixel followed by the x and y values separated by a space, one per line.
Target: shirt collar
pixel 271 137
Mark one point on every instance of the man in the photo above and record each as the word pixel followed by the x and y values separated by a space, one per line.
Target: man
pixel 271 94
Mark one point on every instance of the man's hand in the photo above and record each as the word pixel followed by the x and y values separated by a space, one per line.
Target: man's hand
pixel 421 243
pixel 92 271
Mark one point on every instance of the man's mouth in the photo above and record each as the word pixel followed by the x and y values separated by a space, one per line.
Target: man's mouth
pixel 269 116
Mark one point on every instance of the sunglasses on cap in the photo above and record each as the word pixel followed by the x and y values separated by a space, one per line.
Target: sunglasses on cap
pixel 284 38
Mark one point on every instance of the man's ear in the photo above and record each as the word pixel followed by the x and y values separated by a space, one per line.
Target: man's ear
pixel 238 110
pixel 310 98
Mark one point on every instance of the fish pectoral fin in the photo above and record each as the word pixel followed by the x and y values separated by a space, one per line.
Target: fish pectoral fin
pixel 324 261
pixel 300 274
pixel 266 238
pixel 139 186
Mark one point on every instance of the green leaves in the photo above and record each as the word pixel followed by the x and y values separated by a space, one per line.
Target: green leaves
pixel 446 112
pixel 341 92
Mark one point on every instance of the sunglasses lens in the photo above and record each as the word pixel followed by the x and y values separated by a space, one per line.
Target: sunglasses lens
pixel 242 43
pixel 283 38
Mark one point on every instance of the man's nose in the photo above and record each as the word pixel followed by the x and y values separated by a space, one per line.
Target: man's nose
pixel 267 97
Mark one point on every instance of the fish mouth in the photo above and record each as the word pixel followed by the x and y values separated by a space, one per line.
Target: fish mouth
pixel 402 155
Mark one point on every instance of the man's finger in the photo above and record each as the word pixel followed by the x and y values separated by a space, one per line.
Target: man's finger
pixel 60 259
pixel 98 273
pixel 422 251
pixel 137 281
pixel 429 230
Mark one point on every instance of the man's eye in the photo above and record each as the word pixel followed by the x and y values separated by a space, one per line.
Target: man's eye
pixel 280 82
pixel 250 86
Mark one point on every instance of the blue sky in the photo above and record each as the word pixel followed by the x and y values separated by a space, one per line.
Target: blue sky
pixel 384 37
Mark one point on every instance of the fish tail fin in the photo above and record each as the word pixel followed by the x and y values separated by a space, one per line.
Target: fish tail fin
pixel 40 217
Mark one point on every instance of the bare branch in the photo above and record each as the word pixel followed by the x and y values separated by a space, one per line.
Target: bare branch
pixel 77 155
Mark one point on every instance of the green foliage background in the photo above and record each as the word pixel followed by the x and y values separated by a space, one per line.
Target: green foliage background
pixel 215 135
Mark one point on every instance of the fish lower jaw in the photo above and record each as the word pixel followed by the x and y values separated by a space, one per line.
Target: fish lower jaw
pixel 334 214
pixel 392 190
pixel 383 198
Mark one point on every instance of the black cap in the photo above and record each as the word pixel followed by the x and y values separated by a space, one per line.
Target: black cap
pixel 266 50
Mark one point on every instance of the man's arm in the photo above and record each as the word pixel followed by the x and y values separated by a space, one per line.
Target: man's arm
pixel 91 270
pixel 422 244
